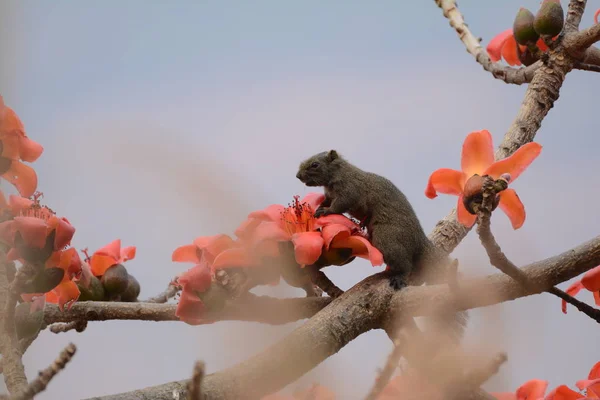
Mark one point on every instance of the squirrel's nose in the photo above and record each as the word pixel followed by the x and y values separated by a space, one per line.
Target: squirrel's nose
pixel 298 175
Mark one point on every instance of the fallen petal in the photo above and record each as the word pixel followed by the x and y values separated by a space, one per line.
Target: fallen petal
pixel 512 207
pixel 516 163
pixel 445 181
pixel 477 153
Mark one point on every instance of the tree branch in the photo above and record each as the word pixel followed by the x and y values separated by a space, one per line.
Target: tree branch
pixel 574 15
pixel 582 40
pixel 499 260
pixel 318 277
pixel 163 297
pixel 587 67
pixel 41 382
pixel 517 76
pixel 360 309
pixel 264 309
pixel 195 385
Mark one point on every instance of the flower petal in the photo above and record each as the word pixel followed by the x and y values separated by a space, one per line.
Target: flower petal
pixel 23 178
pixel 494 47
pixel 126 254
pixel 211 246
pixel 512 207
pixel 509 51
pixel 532 389
pixel 563 393
pixel 307 247
pixel 113 249
pixel 29 150
pixel 445 181
pixel 237 257
pixel 18 204
pixel 516 163
pixel 190 308
pixel 187 253
pixel 586 383
pixel 332 231
pixel 66 293
pixel 477 153
pixel 313 199
pixel 7 232
pixel 269 231
pixel 64 233
pixel 597 298
pixel 246 228
pixel 463 216
pixel 591 279
pixel 571 291
pixel 270 213
pixel 197 278
pixel 361 247
pixel 34 231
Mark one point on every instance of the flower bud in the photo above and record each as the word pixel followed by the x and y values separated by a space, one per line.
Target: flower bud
pixel 115 279
pixel 473 193
pixel 550 18
pixel 523 28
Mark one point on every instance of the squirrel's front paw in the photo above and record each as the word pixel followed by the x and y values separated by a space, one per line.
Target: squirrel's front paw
pixel 321 212
pixel 397 282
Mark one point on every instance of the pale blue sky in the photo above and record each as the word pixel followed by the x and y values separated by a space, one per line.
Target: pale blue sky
pixel 163 121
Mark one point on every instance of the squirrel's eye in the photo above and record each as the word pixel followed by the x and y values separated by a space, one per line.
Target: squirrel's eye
pixel 314 165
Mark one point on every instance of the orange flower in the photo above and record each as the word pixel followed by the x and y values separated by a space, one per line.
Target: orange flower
pixel 532 389
pixel 590 281
pixel 109 255
pixel 35 234
pixel 504 45
pixel 478 159
pixel 15 146
pixel 310 236
pixel 67 292
pixel 592 383
pixel 204 248
pixel 193 282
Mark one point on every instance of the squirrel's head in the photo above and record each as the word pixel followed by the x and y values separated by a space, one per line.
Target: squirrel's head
pixel 319 169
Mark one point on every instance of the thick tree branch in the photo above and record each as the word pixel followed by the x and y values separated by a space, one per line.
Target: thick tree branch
pixel 517 76
pixel 587 67
pixel 582 40
pixel 360 309
pixel 40 383
pixel 248 308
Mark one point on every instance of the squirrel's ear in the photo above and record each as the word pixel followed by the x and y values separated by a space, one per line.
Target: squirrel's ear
pixel 332 155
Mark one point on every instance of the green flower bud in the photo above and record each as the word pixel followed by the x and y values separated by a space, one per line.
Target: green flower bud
pixel 550 18
pixel 523 27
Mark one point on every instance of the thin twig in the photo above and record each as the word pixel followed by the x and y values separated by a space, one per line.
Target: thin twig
pixel 388 370
pixel 170 292
pixel 40 383
pixel 517 76
pixel 499 260
pixel 195 384
pixel 319 278
pixel 587 67
pixel 78 326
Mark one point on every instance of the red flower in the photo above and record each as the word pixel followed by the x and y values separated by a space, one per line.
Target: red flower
pixel 592 383
pixel 478 159
pixel 504 45
pixel 590 281
pixel 532 389
pixel 109 255
pixel 564 393
pixel 15 146
pixel 194 281
pixel 310 236
pixel 205 248
pixel 35 233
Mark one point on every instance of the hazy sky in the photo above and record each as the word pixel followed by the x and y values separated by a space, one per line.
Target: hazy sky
pixel 163 121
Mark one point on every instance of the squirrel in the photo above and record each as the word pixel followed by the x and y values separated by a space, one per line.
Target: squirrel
pixel 392 224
